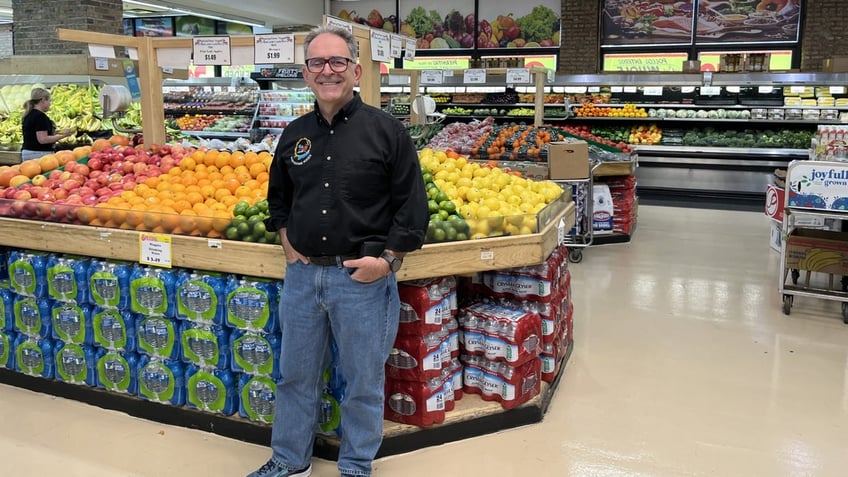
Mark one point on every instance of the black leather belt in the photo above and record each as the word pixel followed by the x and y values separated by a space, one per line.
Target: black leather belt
pixel 331 260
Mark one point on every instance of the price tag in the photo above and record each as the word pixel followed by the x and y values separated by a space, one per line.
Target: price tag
pixel 155 249
pixel 765 89
pixel 797 89
pixel 410 49
pixel 652 91
pixel 211 50
pixel 594 89
pixel 487 254
pixel 273 48
pixel 101 64
pixel 734 89
pixel 630 89
pixel 474 76
pixel 837 90
pixel 616 89
pixel 710 90
pixel 380 46
pixel 431 76
pixel 517 75
pixel 338 22
pixel 397 45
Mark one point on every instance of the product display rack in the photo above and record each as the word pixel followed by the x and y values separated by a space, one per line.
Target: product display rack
pixel 234 100
pixel 283 97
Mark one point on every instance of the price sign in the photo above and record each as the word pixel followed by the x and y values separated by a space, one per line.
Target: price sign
pixel 155 249
pixel 797 89
pixel 211 50
pixel 630 89
pixel 273 48
pixel 380 46
pixel 710 90
pixel 652 91
pixel 765 89
pixel 474 76
pixel 734 89
pixel 338 22
pixel 594 89
pixel 397 45
pixel 616 89
pixel 410 49
pixel 517 75
pixel 837 90
pixel 431 77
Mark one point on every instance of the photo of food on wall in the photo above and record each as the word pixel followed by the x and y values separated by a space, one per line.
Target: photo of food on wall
pixel 640 22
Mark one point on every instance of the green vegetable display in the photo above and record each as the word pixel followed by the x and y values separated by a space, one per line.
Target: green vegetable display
pixel 420 21
pixel 538 25
pixel 711 137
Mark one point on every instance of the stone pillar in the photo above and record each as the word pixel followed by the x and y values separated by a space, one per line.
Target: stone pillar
pixel 35 23
pixel 580 41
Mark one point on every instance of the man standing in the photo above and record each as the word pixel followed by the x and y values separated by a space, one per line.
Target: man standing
pixel 347 195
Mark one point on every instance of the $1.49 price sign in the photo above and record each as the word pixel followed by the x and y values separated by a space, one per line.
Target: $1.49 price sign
pixel 155 249
pixel 211 50
pixel 273 48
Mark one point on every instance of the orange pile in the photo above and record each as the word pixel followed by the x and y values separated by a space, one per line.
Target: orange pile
pixel 196 197
pixel 13 176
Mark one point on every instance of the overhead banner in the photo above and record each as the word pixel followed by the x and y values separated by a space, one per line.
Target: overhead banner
pixel 667 62
pixel 647 23
pixel 767 21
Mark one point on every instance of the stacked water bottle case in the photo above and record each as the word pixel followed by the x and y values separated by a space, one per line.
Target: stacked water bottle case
pixel 205 340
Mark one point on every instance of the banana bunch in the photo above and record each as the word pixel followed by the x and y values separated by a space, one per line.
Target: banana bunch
pixel 818 259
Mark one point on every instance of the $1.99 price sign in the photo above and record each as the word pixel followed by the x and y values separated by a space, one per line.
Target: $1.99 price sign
pixel 211 50
pixel 155 249
pixel 273 48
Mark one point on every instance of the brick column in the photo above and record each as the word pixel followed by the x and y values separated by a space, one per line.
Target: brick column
pixel 580 42
pixel 824 33
pixel 35 23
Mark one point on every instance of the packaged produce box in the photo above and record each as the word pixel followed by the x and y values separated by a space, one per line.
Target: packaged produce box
pixel 568 160
pixel 818 251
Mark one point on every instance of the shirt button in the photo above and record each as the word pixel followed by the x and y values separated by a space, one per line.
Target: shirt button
pixel 324 211
pixel 328 158
pixel 332 132
pixel 324 238
pixel 326 184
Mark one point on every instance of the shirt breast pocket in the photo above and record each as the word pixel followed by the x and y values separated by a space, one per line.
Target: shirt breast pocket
pixel 364 179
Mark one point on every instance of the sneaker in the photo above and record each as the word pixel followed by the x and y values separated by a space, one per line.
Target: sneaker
pixel 272 469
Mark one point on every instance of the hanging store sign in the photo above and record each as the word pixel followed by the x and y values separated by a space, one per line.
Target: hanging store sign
pixel 211 50
pixel 273 48
pixel 474 76
pixel 380 46
pixel 671 62
pixel 432 77
pixel 517 75
pixel 436 63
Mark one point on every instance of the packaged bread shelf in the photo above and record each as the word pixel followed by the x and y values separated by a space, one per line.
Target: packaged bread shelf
pixel 461 257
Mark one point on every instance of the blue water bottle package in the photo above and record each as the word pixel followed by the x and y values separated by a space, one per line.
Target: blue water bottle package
pixel 76 363
pixel 255 353
pixel 34 356
pixel 109 283
pixel 158 336
pixel 33 316
pixel 152 291
pixel 161 380
pixel 257 397
pixel 114 329
pixel 205 345
pixel 28 273
pixel 211 390
pixel 66 278
pixel 72 323
pixel 7 349
pixel 252 304
pixel 201 296
pixel 7 314
pixel 117 371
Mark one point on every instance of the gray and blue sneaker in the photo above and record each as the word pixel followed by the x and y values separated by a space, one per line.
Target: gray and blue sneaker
pixel 272 469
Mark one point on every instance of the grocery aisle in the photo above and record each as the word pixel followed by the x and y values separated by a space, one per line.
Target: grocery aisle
pixel 684 365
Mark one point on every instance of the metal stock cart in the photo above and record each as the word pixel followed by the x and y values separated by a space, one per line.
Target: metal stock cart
pixel 582 235
pixel 816 190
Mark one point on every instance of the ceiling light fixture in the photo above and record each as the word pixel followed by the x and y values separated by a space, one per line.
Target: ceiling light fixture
pixel 200 13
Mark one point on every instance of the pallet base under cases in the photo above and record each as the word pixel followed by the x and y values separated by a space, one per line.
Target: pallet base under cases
pixel 472 416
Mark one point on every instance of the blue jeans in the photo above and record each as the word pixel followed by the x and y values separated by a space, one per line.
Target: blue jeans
pixel 363 319
pixel 27 155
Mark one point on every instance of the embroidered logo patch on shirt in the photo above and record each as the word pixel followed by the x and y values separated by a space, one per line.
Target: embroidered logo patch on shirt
pixel 302 151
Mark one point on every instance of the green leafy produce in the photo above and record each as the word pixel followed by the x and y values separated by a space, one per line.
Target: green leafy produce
pixel 538 25
pixel 420 21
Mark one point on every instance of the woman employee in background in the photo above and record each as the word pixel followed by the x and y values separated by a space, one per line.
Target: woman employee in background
pixel 39 131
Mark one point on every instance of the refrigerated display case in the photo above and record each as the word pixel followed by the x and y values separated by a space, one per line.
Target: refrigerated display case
pixel 211 107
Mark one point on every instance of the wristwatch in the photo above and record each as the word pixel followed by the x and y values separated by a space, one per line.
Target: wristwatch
pixel 394 262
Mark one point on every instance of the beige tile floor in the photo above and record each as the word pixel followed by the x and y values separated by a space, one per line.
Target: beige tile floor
pixel 684 365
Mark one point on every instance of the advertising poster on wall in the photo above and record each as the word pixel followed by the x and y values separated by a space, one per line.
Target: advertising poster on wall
pixel 640 23
pixel 504 24
pixel 161 26
pixel 441 25
pixel 748 21
pixel 374 13
pixel 192 26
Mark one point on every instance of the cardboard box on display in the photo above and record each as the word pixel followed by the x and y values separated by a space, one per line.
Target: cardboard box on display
pixel 817 251
pixel 568 160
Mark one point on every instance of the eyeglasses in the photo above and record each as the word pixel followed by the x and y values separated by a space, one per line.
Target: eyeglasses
pixel 337 63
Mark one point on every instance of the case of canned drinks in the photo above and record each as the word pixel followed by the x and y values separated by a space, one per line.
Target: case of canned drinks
pixel 498 381
pixel 76 363
pixel 117 371
pixel 152 291
pixel 161 380
pixel 211 390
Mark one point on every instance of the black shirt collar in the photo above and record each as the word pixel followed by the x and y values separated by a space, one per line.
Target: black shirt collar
pixel 345 113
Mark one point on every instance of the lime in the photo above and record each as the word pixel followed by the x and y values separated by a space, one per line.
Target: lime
pixel 461 236
pixel 259 228
pixel 444 214
pixel 428 177
pixel 243 229
pixel 240 208
pixel 439 235
pixel 435 217
pixel 262 239
pixel 251 211
pixel 239 217
pixel 262 205
pixel 433 206
pixel 450 231
pixel 448 205
pixel 271 237
pixel 441 197
pixel 231 233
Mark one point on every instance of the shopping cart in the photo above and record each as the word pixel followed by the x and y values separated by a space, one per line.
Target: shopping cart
pixel 582 235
